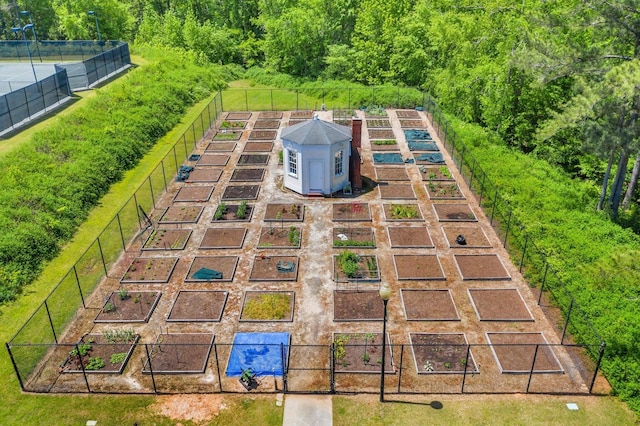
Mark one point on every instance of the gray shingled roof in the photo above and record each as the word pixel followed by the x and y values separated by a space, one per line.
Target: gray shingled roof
pixel 316 132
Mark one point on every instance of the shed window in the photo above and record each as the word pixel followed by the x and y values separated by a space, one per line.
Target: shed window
pixel 293 163
pixel 338 169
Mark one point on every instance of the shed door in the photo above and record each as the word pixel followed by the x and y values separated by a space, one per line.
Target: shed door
pixel 316 176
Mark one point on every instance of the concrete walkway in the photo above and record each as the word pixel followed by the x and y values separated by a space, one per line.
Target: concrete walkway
pixel 308 410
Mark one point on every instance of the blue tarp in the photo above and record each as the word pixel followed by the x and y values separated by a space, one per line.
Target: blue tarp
pixel 417 134
pixel 207 274
pixel 388 158
pixel 262 352
pixel 422 146
pixel 434 157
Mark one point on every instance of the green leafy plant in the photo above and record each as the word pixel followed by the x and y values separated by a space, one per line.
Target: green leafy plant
pixel 339 343
pixel 123 293
pixel 220 211
pixel 108 307
pixel 82 348
pixel 119 336
pixel 294 236
pixel 353 243
pixel 349 261
pixel 95 363
pixel 117 358
pixel 447 365
pixel 268 306
pixel 404 211
pixel 241 213
pixel 280 157
pixel 384 142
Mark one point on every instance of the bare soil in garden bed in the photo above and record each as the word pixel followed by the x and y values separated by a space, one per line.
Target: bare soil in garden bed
pixel 499 304
pixel 438 190
pixel 368 269
pixel 223 264
pixel 418 267
pixel 397 191
pixel 235 115
pixel 433 173
pixel 167 239
pixel 284 212
pixel 213 160
pixel 412 124
pixel 454 213
pixel 181 214
pixel 266 124
pixel 265 115
pixel 380 134
pixel 247 175
pixel 136 306
pixel 98 347
pixel 194 193
pixel 268 135
pixel 350 237
pixel 429 305
pixel 302 114
pixel 220 147
pixel 219 238
pixel 474 237
pixel 407 113
pixel 196 306
pixel 441 353
pixel 180 353
pixel 357 306
pixel 258 147
pixel 362 353
pixel 150 270
pixel 270 306
pixel 253 159
pixel 402 212
pixel 391 174
pixel 351 212
pixel 376 123
pixel 409 236
pixel 274 268
pixel 515 352
pixel 481 267
pixel 205 174
pixel 276 236
pixel 241 192
pixel 230 213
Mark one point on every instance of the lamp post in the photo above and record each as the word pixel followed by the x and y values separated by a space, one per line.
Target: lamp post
pixel 385 295
pixel 23 30
pixel 95 16
pixel 33 28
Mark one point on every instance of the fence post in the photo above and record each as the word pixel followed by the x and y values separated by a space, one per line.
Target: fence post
pixel 506 234
pixel 53 330
pixel 493 209
pixel 164 175
pixel 482 190
pixel 215 354
pixel 566 323
pixel 400 365
pixel 544 280
pixel 332 369
pixel 533 364
pixel 75 271
pixel 464 374
pixel 135 200
pixel 153 199
pixel 524 251
pixel 221 105
pixel 124 244
pixel 184 141
pixel 104 264
pixel 84 373
pixel 284 374
pixel 15 366
pixel 153 379
pixel 595 373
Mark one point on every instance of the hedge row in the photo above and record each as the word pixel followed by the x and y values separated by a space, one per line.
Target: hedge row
pixel 50 183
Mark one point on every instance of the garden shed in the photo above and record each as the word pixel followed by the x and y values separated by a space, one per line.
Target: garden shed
pixel 316 157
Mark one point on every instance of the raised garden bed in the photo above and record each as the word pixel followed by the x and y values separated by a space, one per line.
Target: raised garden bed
pixel 391 174
pixel 198 306
pixel 227 135
pixel 351 212
pixel 241 192
pixel 409 123
pixel 223 238
pixel 238 115
pixel 362 353
pixel 213 160
pixel 150 270
pixel 247 175
pixel 435 173
pixel 454 213
pixel 438 190
pixel 302 114
pixel 167 239
pixel 397 191
pixel 270 115
pixel 266 124
pixel 418 267
pixel 402 212
pixel 515 352
pixel 429 305
pixel 380 134
pixel 481 267
pixel 101 353
pixel 349 267
pixel 184 353
pixel 274 268
pixel 181 214
pixel 233 125
pixel 442 353
pixel 258 147
pixel 233 212
pixel 205 174
pixel 212 268
pixel 407 113
pixel 384 145
pixel 220 147
pixel 409 237
pixel 253 160
pixel 472 237
pixel 376 123
pixel 268 135
pixel 354 237
pixel 499 304
pixel 284 212
pixel 260 306
pixel 122 306
pixel 276 236
pixel 357 306
pixel 193 193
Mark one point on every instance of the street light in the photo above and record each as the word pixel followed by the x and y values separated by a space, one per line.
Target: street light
pixel 33 28
pixel 95 16
pixel 23 30
pixel 385 295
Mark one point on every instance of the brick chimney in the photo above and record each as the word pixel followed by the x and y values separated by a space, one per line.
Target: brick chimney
pixel 355 175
